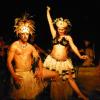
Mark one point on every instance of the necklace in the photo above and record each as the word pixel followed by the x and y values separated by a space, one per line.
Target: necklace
pixel 24 46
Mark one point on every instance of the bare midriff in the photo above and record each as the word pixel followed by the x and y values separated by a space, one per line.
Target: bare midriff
pixel 59 52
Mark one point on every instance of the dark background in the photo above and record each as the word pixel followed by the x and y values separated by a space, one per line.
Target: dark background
pixel 83 14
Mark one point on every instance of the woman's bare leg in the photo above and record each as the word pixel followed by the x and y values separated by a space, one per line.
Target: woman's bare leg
pixel 76 88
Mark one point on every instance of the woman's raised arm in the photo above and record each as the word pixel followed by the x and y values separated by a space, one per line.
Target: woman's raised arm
pixel 53 31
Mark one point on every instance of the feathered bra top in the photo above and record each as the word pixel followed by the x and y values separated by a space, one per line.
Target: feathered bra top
pixel 63 41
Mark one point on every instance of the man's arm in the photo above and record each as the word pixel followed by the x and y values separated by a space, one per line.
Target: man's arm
pixel 10 57
pixel 38 64
pixel 37 58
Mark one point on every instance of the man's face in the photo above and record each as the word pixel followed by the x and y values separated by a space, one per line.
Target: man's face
pixel 24 37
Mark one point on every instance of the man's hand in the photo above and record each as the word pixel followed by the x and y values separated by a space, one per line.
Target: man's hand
pixel 39 73
pixel 17 78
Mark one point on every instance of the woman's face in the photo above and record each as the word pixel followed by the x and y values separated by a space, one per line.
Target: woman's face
pixel 61 31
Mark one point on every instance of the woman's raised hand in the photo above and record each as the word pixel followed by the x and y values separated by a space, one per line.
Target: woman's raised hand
pixel 48 8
